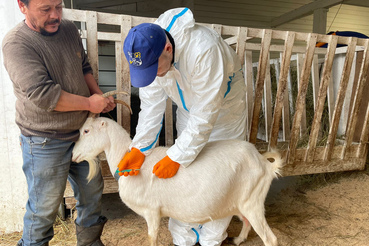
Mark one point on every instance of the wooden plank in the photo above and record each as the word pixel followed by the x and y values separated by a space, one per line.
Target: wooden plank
pixel 302 168
pixel 267 101
pixel 346 71
pixel 299 63
pixel 330 99
pixel 70 202
pixel 249 80
pixel 92 43
pixel 74 14
pixel 264 54
pixel 280 48
pixel 315 78
pixel 169 138
pixel 365 131
pixel 286 110
pixel 281 91
pixel 241 44
pixel 300 101
pixel 327 72
pixel 123 80
pixel 357 99
pixel 109 36
pixel 217 28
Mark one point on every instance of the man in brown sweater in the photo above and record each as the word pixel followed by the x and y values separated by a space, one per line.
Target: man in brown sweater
pixel 55 91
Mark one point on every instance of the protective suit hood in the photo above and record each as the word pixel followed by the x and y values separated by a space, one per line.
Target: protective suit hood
pixel 186 21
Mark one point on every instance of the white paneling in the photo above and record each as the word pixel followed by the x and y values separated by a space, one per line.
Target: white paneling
pixel 349 18
pixel 13 187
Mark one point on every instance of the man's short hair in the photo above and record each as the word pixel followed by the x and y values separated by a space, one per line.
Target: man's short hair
pixel 26 2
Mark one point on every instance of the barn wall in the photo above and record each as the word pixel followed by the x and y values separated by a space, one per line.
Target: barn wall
pixel 13 187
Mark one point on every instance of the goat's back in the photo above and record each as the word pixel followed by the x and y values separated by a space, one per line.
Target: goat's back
pixel 224 173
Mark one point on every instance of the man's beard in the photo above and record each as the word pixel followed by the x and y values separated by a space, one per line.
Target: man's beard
pixel 46 33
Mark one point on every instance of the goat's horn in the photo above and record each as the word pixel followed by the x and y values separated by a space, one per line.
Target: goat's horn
pixel 116 92
pixel 112 93
pixel 124 103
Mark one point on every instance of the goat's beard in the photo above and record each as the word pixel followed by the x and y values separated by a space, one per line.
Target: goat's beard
pixel 94 168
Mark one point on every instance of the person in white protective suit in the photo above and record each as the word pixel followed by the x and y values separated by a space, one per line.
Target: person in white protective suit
pixel 192 65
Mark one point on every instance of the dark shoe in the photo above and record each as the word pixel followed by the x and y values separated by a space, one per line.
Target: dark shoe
pixel 90 236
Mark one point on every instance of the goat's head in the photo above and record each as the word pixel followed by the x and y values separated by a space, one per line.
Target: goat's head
pixel 92 141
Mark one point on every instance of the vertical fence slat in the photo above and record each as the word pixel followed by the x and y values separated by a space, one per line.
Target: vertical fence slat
pixel 267 101
pixel 169 138
pixel 327 72
pixel 330 99
pixel 123 78
pixel 357 99
pixel 92 43
pixel 281 91
pixel 346 71
pixel 217 28
pixel 264 55
pixel 299 63
pixel 241 44
pixel 249 77
pixel 300 101
pixel 315 79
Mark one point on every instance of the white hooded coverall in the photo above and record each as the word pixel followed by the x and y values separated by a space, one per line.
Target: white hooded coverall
pixel 207 85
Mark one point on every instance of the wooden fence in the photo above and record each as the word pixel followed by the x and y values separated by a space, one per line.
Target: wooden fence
pixel 309 144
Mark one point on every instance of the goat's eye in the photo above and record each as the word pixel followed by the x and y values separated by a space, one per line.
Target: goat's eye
pixel 86 131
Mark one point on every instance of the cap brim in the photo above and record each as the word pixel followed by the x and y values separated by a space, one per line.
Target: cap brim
pixel 143 77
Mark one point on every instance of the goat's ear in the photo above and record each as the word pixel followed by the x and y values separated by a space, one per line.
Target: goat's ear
pixel 103 124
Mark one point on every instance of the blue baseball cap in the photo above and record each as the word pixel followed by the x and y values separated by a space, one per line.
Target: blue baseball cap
pixel 142 48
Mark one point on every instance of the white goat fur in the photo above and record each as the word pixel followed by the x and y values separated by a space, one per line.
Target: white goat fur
pixel 228 177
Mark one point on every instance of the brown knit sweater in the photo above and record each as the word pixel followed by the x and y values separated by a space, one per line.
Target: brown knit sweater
pixel 40 67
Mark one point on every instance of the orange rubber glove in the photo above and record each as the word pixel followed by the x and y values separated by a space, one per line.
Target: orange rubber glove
pixel 165 168
pixel 131 163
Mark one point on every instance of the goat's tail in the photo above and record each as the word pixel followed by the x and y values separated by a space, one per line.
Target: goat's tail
pixel 94 168
pixel 275 158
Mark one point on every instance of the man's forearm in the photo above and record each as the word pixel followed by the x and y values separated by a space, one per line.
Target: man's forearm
pixel 71 102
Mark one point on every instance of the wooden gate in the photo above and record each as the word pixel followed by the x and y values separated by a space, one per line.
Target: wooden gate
pixel 309 144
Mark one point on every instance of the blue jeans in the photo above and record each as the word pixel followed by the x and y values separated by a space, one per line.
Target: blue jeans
pixel 47 166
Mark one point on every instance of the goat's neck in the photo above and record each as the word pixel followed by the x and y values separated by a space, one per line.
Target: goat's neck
pixel 119 144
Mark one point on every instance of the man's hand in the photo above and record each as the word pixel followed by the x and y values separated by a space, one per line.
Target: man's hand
pixel 97 103
pixel 111 105
pixel 131 161
pixel 166 168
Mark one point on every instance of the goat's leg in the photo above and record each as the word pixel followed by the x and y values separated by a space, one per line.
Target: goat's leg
pixel 153 223
pixel 244 232
pixel 256 217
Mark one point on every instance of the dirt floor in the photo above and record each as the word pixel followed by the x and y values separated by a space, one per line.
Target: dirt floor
pixel 324 209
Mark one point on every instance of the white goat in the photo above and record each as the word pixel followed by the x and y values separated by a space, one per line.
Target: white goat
pixel 228 177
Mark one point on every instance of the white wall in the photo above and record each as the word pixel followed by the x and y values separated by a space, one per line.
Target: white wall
pixel 13 186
